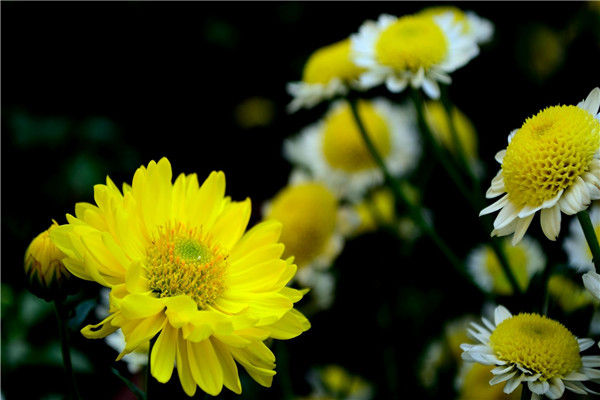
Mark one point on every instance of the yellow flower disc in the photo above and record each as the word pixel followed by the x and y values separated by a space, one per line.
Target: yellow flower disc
pixel 410 43
pixel 538 344
pixel 548 153
pixel 308 215
pixel 330 62
pixel 517 258
pixel 343 145
pixel 182 261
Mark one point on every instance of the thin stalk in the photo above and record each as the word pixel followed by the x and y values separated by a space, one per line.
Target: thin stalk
pixel 64 345
pixel 525 392
pixel 590 235
pixel 414 211
pixel 474 200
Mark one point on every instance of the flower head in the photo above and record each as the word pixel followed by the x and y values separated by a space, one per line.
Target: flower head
pixel 182 268
pixel 419 50
pixel 525 260
pixel 551 165
pixel 333 151
pixel 308 212
pixel 328 72
pixel 46 274
pixel 534 349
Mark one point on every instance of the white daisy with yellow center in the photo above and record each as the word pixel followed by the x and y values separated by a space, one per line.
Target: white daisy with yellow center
pixel 534 349
pixel 333 150
pixel 419 50
pixel 525 260
pixel 309 214
pixel 551 165
pixel 328 72
pixel 576 246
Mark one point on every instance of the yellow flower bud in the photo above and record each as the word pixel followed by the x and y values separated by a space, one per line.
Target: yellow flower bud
pixel 46 274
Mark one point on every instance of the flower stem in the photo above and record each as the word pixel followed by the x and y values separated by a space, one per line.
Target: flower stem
pixel 525 392
pixel 590 235
pixel 474 199
pixel 415 212
pixel 61 317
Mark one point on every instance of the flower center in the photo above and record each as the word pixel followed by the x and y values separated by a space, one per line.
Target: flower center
pixel 308 215
pixel 330 62
pixel 548 153
pixel 412 42
pixel 182 261
pixel 517 258
pixel 538 344
pixel 343 145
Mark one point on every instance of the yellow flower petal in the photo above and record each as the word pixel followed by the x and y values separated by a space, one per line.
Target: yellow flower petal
pixel 139 305
pixel 261 234
pixel 100 330
pixel 183 366
pixel 292 324
pixel 231 378
pixel 162 359
pixel 230 227
pixel 205 367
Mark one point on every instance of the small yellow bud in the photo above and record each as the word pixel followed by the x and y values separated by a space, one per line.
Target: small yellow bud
pixel 46 274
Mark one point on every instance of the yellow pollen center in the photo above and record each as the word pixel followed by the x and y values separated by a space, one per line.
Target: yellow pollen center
pixel 182 261
pixel 548 153
pixel 307 213
pixel 538 344
pixel 331 62
pixel 410 43
pixel 343 145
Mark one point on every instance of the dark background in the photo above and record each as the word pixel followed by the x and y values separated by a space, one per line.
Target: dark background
pixel 91 89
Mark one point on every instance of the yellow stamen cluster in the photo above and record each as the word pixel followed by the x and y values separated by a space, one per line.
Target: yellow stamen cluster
pixel 548 153
pixel 331 62
pixel 182 261
pixel 412 42
pixel 538 344
pixel 343 146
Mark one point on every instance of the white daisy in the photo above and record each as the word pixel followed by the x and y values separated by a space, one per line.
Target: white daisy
pixel 525 260
pixel 309 214
pixel 534 349
pixel 551 165
pixel 575 244
pixel 333 150
pixel 419 50
pixel 328 72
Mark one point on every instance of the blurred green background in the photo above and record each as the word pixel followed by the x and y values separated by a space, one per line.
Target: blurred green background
pixel 100 88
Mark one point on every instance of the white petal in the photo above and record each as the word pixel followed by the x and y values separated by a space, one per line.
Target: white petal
pixel 591 281
pixel 512 384
pixel 550 221
pixel 521 228
pixel 539 387
pixel 500 156
pixel 592 103
pixel 495 206
pixel 395 84
pixel 556 389
pixel 501 378
pixel 585 344
pixel 507 215
pixel 500 314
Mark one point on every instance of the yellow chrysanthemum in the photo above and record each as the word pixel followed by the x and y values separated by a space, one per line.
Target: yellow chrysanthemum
pixel 182 268
pixel 420 50
pixel 46 274
pixel 552 164
pixel 534 349
pixel 328 72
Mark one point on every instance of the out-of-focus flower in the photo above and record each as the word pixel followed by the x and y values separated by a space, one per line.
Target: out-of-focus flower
pixel 551 165
pixel 256 111
pixel 591 281
pixel 308 212
pixel 534 349
pixel 333 151
pixel 419 50
pixel 479 28
pixel 333 382
pixel 526 258
pixel 376 210
pixel 541 51
pixel 576 246
pixel 439 123
pixel 329 72
pixel 472 384
pixel 46 274
pixel 182 267
pixel 567 294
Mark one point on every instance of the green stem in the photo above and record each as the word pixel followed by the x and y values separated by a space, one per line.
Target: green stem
pixel 399 195
pixel 475 200
pixel 590 235
pixel 63 333
pixel 525 392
